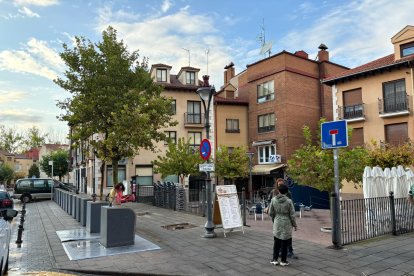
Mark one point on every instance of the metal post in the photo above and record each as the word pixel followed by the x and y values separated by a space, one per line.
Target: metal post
pixel 336 219
pixel 243 205
pixel 250 188
pixel 392 208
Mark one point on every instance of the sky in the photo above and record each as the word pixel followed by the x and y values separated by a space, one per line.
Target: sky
pixel 203 34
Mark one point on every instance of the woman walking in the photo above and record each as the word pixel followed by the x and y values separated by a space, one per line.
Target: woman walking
pixel 282 212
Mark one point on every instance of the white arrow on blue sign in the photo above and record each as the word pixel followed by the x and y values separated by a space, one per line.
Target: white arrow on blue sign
pixel 334 134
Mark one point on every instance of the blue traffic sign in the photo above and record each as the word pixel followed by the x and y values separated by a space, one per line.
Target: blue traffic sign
pixel 205 149
pixel 334 134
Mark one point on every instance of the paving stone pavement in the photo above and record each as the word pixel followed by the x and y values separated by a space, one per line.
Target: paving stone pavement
pixel 185 252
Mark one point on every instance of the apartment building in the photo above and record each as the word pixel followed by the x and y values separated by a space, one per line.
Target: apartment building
pixel 376 98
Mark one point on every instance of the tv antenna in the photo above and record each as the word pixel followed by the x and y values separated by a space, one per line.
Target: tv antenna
pixel 265 47
pixel 188 51
pixel 207 51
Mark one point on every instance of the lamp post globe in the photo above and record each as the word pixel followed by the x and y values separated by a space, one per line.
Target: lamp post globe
pixel 206 94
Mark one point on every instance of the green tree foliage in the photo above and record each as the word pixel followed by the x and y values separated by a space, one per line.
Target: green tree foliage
pixel 180 159
pixel 388 156
pixel 231 164
pixel 34 138
pixel 60 163
pixel 11 140
pixel 113 95
pixel 34 171
pixel 6 173
pixel 312 166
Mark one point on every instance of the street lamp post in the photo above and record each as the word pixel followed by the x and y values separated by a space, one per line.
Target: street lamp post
pixel 53 183
pixel 250 155
pixel 206 93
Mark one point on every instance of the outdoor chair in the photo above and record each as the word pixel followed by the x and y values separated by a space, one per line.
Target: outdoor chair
pixel 258 211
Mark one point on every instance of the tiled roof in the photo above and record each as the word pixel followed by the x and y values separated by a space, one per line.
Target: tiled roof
pixel 161 65
pixel 5 152
pixel 221 100
pixel 190 68
pixel 384 62
pixel 176 84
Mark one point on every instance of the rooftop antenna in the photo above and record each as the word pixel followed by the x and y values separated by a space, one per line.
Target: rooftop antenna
pixel 265 47
pixel 188 51
pixel 207 51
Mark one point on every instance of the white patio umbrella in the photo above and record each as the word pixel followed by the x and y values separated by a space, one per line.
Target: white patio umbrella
pixel 409 177
pixel 399 190
pixel 367 182
pixel 388 181
pixel 378 182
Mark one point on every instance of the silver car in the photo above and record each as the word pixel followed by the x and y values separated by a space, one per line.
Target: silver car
pixel 5 233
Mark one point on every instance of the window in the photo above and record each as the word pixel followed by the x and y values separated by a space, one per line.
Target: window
pixel 395 98
pixel 190 77
pixel 195 138
pixel 266 122
pixel 232 126
pixel 24 183
pixel 193 112
pixel 407 49
pixel 144 174
pixel 396 134
pixel 39 183
pixel 357 139
pixel 353 107
pixel 173 107
pixel 265 152
pixel 109 173
pixel 171 136
pixel 161 75
pixel 265 92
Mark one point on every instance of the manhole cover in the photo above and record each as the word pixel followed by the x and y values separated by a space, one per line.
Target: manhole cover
pixel 178 226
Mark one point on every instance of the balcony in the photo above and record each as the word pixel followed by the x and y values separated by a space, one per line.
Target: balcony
pixel 352 113
pixel 194 119
pixel 397 105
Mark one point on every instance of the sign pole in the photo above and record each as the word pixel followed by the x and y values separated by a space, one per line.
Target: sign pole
pixel 336 222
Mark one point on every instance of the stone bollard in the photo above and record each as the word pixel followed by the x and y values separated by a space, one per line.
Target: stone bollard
pixel 117 226
pixel 93 216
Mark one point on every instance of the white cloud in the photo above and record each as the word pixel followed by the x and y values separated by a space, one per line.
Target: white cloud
pixel 12 96
pixel 166 5
pixel 43 3
pixel 169 34
pixel 28 116
pixel 36 58
pixel 27 12
pixel 356 32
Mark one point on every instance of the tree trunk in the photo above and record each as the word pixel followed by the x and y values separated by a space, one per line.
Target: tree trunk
pixel 115 171
pixel 102 169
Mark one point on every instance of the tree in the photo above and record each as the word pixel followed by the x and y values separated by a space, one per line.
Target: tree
pixel 34 138
pixel 11 140
pixel 112 95
pixel 313 166
pixel 231 164
pixel 60 163
pixel 34 171
pixel 180 159
pixel 388 156
pixel 6 173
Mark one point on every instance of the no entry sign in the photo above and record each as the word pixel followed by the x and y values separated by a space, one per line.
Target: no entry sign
pixel 205 149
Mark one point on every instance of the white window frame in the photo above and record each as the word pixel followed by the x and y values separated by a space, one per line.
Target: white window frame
pixel 190 77
pixel 264 153
pixel 161 75
pixel 266 91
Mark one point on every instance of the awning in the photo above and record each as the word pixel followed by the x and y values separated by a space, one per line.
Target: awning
pixel 262 143
pixel 266 169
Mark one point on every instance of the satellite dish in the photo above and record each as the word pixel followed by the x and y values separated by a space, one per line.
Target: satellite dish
pixel 266 48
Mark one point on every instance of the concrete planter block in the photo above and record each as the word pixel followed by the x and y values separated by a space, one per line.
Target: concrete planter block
pixel 83 207
pixel 78 208
pixel 93 216
pixel 70 204
pixel 117 226
pixel 74 206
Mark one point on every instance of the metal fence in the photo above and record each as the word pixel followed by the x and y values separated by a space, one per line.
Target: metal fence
pixel 171 196
pixel 363 219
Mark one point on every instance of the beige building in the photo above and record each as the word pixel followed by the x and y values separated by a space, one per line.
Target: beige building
pixel 377 98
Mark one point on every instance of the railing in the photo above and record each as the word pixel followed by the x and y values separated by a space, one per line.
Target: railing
pixel 363 219
pixel 397 103
pixel 194 119
pixel 351 111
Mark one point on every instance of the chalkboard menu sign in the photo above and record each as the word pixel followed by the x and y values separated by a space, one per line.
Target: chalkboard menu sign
pixel 229 206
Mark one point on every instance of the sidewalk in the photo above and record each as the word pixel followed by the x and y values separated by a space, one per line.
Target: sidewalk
pixel 185 252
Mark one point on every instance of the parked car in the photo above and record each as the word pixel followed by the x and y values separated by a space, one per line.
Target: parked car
pixel 5 233
pixel 6 201
pixel 28 189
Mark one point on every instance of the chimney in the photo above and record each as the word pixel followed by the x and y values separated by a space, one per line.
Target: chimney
pixel 323 55
pixel 302 53
pixel 205 80
pixel 229 73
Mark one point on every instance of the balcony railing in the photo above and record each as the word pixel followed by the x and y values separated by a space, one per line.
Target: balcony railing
pixel 350 112
pixel 398 103
pixel 194 119
pixel 265 129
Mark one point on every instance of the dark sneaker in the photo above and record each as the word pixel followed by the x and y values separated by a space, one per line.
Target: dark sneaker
pixel 284 263
pixel 273 262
